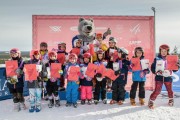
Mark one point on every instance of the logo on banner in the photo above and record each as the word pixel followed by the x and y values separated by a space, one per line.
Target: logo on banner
pixel 55 28
pixel 135 42
pixel 75 28
pixel 176 82
pixel 3 88
pixel 175 77
pixel 135 29
pixel 101 28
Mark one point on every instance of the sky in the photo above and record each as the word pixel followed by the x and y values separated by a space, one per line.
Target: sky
pixel 16 17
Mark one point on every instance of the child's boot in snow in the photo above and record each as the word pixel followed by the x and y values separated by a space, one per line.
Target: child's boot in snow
pixel 133 102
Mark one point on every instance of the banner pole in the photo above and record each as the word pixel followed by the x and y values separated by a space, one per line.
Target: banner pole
pixel 154 11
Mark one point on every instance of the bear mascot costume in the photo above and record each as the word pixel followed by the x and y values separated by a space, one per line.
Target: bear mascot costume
pixel 87 33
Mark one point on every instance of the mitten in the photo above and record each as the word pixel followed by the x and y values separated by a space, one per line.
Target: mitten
pixel 108 32
pixel 146 71
pixel 178 64
pixel 81 76
pixel 44 74
pixel 132 65
pixel 159 72
pixel 117 72
pixel 60 72
pixel 166 73
pixel 142 74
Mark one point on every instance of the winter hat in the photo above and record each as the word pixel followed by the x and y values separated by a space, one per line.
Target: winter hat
pixel 15 50
pixel 123 50
pixel 62 44
pixel 112 39
pixel 100 51
pixel 99 35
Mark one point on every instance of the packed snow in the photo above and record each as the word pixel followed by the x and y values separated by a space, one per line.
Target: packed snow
pixel 96 112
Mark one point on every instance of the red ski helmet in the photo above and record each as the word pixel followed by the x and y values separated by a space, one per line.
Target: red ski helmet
pixel 73 55
pixel 164 46
pixel 34 52
pixel 52 53
pixel 87 55
pixel 15 50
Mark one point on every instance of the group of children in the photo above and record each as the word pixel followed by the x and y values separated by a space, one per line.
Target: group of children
pixel 85 84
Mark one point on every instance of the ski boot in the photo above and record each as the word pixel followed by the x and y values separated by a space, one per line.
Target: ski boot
pixel 75 105
pixel 68 104
pixel 32 109
pixel 105 101
pixel 89 102
pixel 120 102
pixel 38 108
pixel 17 107
pixel 133 102
pixel 141 101
pixel 96 102
pixel 57 103
pixel 112 102
pixel 22 106
pixel 51 103
pixel 171 102
pixel 82 102
pixel 151 104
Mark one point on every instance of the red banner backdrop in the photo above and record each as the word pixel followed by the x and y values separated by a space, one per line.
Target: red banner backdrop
pixel 130 32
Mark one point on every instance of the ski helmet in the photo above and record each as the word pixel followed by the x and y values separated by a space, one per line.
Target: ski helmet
pixel 43 44
pixel 15 50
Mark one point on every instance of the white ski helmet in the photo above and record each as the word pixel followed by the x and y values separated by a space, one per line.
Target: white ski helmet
pixel 77 40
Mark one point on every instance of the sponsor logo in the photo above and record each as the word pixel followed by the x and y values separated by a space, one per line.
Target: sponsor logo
pixel 135 42
pixel 135 29
pixel 176 77
pixel 3 85
pixel 101 28
pixel 55 28
pixel 74 28
pixel 3 88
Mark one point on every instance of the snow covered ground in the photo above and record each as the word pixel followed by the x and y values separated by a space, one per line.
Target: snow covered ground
pixel 96 112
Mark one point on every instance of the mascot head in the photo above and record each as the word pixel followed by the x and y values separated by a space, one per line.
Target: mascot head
pixel 86 27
